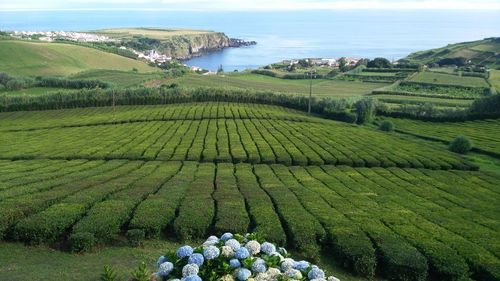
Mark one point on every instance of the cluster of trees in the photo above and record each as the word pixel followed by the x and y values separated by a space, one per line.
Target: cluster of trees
pixel 17 83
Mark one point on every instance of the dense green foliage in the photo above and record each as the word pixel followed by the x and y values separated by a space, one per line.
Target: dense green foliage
pixel 386 126
pixel 461 144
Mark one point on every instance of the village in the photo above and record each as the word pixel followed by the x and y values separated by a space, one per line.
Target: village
pixel 331 62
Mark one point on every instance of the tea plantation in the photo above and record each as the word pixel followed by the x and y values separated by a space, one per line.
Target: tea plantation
pixel 379 204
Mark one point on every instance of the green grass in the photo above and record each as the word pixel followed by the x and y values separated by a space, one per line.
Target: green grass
pixel 36 91
pixel 446 79
pixel 155 33
pixel 321 88
pixel 400 99
pixel 119 78
pixel 495 79
pixel 22 58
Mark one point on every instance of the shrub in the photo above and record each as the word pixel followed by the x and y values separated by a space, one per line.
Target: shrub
pixel 460 144
pixel 109 274
pixel 135 236
pixel 365 110
pixel 82 241
pixel 386 126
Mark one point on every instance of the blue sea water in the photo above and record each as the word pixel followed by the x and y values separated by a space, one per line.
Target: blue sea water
pixel 285 35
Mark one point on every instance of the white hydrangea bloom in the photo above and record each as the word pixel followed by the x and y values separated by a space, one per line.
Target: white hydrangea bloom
pixel 190 269
pixel 273 272
pixel 287 264
pixel 227 277
pixel 253 247
pixel 318 279
pixel 293 273
pixel 227 252
pixel 233 243
pixel 332 278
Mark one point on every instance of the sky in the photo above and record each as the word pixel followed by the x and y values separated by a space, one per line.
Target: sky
pixel 245 5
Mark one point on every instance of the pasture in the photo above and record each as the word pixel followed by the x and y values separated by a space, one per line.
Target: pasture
pixel 448 79
pixel 23 58
pixel 155 33
pixel 322 88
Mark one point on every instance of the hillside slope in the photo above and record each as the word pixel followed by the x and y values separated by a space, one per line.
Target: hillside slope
pixel 176 43
pixel 33 59
pixel 485 52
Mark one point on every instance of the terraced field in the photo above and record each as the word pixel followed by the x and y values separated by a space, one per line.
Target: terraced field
pixel 227 133
pixel 483 133
pixel 375 202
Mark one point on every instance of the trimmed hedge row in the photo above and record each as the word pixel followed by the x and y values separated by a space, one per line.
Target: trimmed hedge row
pixel 262 214
pixel 231 215
pixel 303 229
pixel 193 221
pixel 158 210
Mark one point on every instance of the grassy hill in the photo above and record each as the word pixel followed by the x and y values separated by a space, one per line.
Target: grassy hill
pixel 22 58
pixel 485 52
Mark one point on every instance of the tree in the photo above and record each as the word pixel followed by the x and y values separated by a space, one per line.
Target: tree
pixel 380 63
pixel 342 64
pixel 386 126
pixel 365 110
pixel 460 145
pixel 220 69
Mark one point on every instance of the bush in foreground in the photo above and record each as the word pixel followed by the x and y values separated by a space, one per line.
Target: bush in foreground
pixel 460 145
pixel 235 257
pixel 386 126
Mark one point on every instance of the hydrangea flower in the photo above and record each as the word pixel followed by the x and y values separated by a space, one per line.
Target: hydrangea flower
pixel 190 269
pixel 267 248
pixel 211 252
pixel 165 268
pixel 234 263
pixel 227 277
pixel 273 272
pixel 243 274
pixel 196 258
pixel 332 278
pixel 293 273
pixel 253 247
pixel 262 277
pixel 242 253
pixel 233 243
pixel 287 264
pixel 278 255
pixel 184 251
pixel 191 278
pixel 227 251
pixel 259 265
pixel 282 251
pixel 226 236
pixel 161 260
pixel 301 265
pixel 316 273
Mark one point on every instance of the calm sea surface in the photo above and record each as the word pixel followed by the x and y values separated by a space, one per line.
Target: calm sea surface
pixel 284 35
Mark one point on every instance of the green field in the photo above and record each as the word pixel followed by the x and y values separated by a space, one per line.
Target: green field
pixel 447 79
pixel 483 133
pixel 22 58
pixel 155 33
pixel 321 87
pixel 495 79
pixel 401 99
pixel 35 91
pixel 119 78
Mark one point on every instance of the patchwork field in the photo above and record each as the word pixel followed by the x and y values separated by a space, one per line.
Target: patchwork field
pixel 447 79
pixel 23 58
pixel 321 87
pixel 483 133
pixel 74 179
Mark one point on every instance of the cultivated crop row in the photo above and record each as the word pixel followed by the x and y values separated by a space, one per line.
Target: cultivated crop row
pixel 402 222
pixel 230 141
pixel 124 114
pixel 483 133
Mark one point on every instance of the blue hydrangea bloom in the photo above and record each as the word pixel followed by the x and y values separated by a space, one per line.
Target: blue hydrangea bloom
pixel 259 266
pixel 267 248
pixel 234 263
pixel 184 251
pixel 242 253
pixel 191 278
pixel 316 273
pixel 211 252
pixel 165 268
pixel 190 269
pixel 161 260
pixel 233 243
pixel 243 274
pixel 301 265
pixel 226 236
pixel 196 258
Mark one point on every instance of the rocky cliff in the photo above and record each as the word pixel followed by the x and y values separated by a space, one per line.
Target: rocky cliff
pixel 187 46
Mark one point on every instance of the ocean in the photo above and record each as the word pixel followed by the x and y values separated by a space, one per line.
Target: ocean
pixel 284 35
